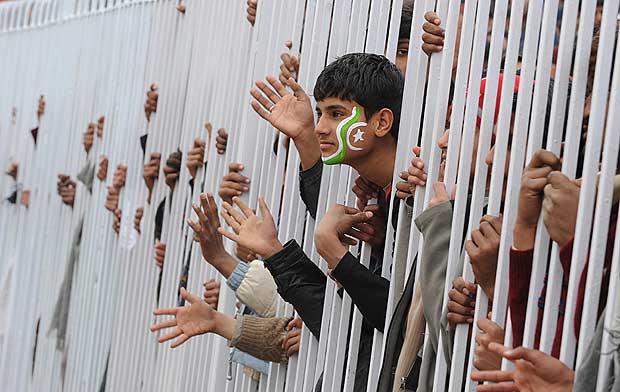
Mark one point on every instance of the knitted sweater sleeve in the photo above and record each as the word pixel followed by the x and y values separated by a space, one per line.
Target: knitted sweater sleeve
pixel 261 337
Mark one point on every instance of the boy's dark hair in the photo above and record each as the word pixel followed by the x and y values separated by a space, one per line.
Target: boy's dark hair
pixel 405 20
pixel 368 79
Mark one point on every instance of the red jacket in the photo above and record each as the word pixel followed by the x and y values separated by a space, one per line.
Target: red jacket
pixel 520 274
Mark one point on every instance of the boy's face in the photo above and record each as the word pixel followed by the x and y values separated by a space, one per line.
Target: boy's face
pixel 342 130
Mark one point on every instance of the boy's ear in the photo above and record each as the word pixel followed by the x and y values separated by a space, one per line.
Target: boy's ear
pixel 382 121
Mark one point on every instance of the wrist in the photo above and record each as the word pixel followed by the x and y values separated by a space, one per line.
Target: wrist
pixel 224 325
pixel 489 289
pixel 308 147
pixel 524 235
pixel 271 249
pixel 224 263
pixel 332 252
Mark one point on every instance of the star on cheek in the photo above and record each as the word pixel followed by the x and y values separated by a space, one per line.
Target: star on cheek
pixel 358 136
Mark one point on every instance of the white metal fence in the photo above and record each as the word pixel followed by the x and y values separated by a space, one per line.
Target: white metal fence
pixel 98 58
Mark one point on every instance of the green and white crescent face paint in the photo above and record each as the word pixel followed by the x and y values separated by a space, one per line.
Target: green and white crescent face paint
pixel 343 131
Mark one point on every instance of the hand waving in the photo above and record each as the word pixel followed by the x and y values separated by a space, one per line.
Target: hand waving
pixel 290 113
pixel 259 235
pixel 196 319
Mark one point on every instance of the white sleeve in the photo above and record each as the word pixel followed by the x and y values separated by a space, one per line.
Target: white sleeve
pixel 258 290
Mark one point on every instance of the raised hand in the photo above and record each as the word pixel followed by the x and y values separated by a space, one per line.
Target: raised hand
pixel 150 106
pixel 160 254
pixel 234 183
pixel 137 219
pixel 41 107
pixel 172 168
pixel 533 181
pixel 111 201
pixel 206 227
pixel 440 196
pixel 293 337
pixel 483 249
pixel 221 141
pixel 151 172
pixel 102 172
pixel 116 224
pixel 417 173
pixel 211 293
pixel 433 37
pixel 289 67
pixel 490 332
pixel 66 189
pixel 259 235
pixel 534 371
pixel 251 11
pixel 89 137
pixel 120 176
pixel 290 113
pixel 560 207
pixel 196 319
pixel 364 190
pixel 332 236
pixel 462 302
pixel 196 156
pixel 100 124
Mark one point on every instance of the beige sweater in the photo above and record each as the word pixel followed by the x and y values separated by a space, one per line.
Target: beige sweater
pixel 261 337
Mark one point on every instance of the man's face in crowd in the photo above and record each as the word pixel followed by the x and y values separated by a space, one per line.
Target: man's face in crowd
pixel 356 142
pixel 402 53
pixel 442 143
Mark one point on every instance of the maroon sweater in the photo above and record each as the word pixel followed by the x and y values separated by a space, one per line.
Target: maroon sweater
pixel 520 274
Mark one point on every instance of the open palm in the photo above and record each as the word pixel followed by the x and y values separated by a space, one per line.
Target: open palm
pixel 290 113
pixel 259 235
pixel 196 319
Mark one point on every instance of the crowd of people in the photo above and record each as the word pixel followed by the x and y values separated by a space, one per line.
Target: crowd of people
pixel 355 123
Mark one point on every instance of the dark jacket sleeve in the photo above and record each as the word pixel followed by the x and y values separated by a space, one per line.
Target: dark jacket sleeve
pixel 300 282
pixel 310 185
pixel 368 291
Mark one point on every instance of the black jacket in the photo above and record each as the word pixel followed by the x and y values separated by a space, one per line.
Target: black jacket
pixel 301 283
pixel 356 279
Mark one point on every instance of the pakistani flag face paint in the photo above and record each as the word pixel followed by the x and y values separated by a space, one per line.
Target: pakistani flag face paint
pixel 343 131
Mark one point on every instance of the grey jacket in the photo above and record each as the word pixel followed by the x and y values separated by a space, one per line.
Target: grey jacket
pixel 586 376
pixel 434 224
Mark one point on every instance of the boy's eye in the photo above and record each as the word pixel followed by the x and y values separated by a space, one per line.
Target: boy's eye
pixel 402 52
pixel 337 114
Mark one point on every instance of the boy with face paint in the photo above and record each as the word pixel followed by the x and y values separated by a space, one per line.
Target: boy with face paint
pixel 358 106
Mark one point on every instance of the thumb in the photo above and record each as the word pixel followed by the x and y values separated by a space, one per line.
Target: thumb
pixel 264 210
pixel 192 299
pixel 416 150
pixel 360 217
pixel 440 191
pixel 558 180
pixel 289 44
pixel 350 210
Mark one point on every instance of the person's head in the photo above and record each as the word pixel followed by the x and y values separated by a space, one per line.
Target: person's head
pixel 442 142
pixel 402 50
pixel 358 107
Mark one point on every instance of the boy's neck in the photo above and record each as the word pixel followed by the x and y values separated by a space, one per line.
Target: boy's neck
pixel 378 166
